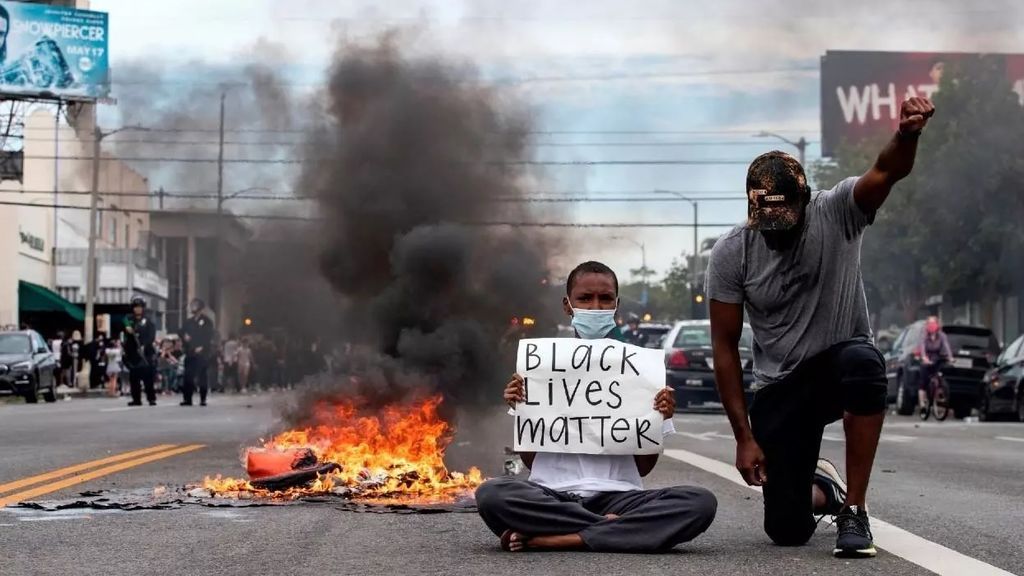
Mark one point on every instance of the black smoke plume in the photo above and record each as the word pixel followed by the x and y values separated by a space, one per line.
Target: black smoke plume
pixel 416 158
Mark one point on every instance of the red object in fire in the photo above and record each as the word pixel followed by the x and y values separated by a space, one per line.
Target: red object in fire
pixel 264 462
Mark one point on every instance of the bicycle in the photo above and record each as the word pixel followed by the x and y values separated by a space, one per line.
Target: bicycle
pixel 938 395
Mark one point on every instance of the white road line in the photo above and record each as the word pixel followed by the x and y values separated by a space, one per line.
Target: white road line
pixel 925 553
pixel 1010 438
pixel 894 438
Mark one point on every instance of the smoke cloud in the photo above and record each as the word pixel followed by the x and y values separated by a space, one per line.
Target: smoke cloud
pixel 416 156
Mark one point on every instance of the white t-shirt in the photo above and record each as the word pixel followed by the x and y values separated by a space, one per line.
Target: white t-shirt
pixel 588 474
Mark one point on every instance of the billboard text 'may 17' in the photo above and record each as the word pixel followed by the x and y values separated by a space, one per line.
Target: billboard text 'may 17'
pixel 53 52
pixel 861 92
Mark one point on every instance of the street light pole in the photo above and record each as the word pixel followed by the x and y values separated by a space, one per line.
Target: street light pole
pixel 643 262
pixel 800 145
pixel 696 248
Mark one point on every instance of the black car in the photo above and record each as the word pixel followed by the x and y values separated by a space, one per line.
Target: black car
pixel 690 365
pixel 1002 392
pixel 974 350
pixel 27 366
pixel 652 334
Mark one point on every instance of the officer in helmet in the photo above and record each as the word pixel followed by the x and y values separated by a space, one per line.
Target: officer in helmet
pixel 139 342
pixel 198 351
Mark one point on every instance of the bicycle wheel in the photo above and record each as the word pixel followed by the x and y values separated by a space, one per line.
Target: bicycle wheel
pixel 940 401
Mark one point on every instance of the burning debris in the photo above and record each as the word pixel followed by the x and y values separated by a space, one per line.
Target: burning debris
pixel 395 454
pixel 413 157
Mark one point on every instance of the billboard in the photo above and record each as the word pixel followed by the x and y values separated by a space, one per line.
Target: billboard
pixel 861 92
pixel 53 52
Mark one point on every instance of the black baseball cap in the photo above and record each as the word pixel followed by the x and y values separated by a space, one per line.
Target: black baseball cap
pixel 776 191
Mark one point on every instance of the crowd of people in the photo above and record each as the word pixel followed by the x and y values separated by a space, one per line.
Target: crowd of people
pixel 137 359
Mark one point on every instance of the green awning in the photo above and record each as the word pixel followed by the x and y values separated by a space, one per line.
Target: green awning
pixel 35 298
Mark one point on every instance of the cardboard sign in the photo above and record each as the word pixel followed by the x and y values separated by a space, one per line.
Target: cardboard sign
pixel 588 397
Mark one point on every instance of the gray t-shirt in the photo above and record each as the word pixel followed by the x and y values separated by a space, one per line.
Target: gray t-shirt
pixel 803 300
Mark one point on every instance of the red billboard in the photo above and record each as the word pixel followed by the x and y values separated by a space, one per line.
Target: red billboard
pixel 861 92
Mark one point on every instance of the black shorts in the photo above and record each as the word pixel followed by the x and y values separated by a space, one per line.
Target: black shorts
pixel 789 417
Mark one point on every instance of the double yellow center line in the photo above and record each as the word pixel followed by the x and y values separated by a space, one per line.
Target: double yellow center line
pixel 79 473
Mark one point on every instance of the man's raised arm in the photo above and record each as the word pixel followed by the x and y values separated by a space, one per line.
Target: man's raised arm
pixel 726 328
pixel 897 158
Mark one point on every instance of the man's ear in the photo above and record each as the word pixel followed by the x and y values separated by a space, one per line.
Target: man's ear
pixel 566 306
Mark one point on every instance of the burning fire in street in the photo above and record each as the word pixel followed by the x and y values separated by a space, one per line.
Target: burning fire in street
pixel 395 454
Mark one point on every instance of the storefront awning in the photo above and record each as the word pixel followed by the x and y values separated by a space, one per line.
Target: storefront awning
pixel 35 298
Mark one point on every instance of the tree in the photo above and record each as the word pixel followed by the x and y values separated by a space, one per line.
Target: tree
pixel 677 288
pixel 954 225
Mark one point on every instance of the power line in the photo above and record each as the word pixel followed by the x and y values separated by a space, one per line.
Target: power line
pixel 281 161
pixel 671 144
pixel 581 199
pixel 514 81
pixel 514 224
pixel 538 132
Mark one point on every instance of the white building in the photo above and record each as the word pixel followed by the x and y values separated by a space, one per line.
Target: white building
pixel 45 248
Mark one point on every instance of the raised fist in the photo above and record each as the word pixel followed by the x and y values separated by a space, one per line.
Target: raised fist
pixel 914 114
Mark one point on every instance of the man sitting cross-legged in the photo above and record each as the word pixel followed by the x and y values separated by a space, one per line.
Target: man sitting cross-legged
pixel 585 501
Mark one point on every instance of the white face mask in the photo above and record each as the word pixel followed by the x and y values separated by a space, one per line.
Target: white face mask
pixel 593 324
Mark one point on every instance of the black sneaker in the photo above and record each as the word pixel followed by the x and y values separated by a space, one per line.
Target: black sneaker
pixel 133 403
pixel 827 477
pixel 854 539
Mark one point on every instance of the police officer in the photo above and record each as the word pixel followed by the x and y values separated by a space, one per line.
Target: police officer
pixel 198 351
pixel 139 342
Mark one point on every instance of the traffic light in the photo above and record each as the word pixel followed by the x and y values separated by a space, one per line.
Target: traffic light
pixel 698 306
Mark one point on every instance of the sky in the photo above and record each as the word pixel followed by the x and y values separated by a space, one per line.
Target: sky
pixel 688 80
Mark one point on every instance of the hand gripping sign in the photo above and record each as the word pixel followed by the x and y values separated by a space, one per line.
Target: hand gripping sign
pixel 588 397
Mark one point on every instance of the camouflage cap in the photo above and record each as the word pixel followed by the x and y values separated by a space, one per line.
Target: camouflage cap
pixel 776 188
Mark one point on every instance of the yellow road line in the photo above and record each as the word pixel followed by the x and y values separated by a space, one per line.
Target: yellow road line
pixel 60 485
pixel 79 467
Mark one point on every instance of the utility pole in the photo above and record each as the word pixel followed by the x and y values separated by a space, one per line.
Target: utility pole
pixel 220 162
pixel 94 200
pixel 90 262
pixel 219 299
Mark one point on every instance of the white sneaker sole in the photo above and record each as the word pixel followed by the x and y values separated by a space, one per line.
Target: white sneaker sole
pixel 863 553
pixel 827 468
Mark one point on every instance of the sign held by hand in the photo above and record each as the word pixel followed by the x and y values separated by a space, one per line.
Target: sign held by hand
pixel 588 397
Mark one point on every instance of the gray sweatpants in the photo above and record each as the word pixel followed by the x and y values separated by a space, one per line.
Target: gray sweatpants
pixel 650 520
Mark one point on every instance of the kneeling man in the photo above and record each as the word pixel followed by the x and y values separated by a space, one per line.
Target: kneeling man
pixel 588 501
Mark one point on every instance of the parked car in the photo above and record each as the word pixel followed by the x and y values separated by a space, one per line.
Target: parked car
pixel 1002 392
pixel 27 366
pixel 654 334
pixel 689 363
pixel 974 350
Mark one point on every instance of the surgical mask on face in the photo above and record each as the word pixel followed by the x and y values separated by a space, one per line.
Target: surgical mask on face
pixel 593 324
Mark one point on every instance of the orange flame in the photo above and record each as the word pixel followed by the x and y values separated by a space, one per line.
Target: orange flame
pixel 397 455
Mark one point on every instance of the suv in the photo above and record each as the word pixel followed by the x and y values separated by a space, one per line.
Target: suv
pixel 690 365
pixel 27 366
pixel 1002 392
pixel 974 350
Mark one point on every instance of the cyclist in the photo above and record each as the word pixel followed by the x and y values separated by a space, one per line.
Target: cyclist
pixel 932 350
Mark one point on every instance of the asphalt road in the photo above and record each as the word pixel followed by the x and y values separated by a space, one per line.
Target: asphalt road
pixel 958 485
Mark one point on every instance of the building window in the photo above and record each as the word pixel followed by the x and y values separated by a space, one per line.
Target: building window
pixel 113 231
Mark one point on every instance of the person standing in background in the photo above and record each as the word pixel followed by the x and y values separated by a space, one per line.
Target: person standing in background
pixel 139 338
pixel 198 347
pixel 112 352
pixel 70 353
pixel 244 357
pixel 229 359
